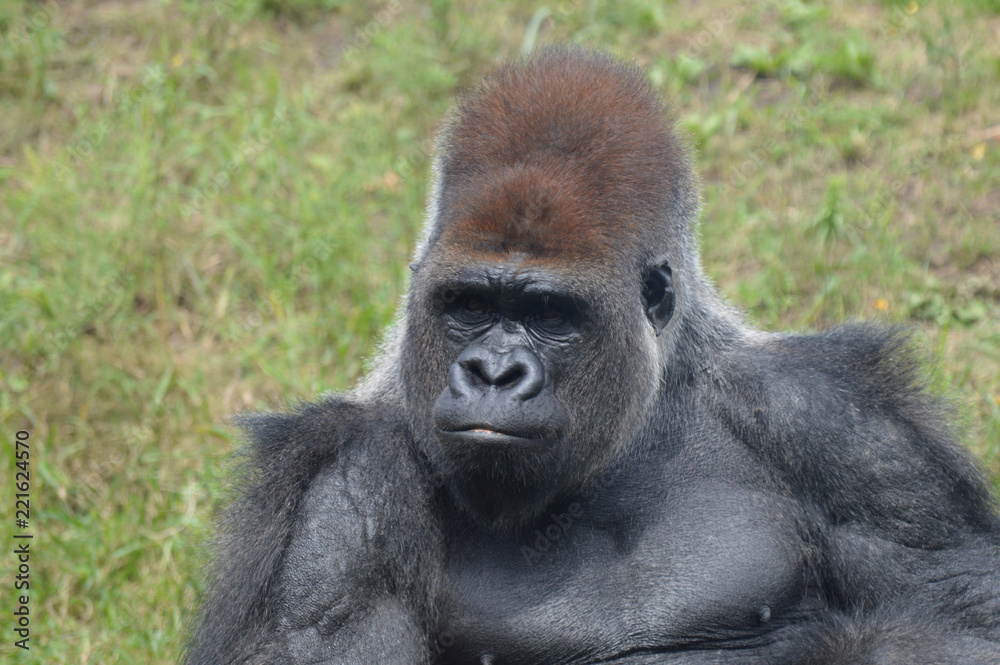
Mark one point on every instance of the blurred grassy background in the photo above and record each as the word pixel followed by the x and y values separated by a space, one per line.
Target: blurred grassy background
pixel 209 206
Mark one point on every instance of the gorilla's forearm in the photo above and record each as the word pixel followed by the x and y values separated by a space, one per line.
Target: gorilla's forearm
pixel 386 633
pixel 837 639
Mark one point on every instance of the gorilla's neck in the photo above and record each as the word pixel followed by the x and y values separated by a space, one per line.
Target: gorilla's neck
pixel 705 328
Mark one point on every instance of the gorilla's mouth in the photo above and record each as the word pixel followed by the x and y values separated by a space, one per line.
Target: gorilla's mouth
pixel 487 435
pixel 496 419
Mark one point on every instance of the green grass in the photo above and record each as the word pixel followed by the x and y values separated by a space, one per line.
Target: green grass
pixel 206 207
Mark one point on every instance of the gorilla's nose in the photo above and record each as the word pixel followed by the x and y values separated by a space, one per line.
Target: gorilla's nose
pixel 479 368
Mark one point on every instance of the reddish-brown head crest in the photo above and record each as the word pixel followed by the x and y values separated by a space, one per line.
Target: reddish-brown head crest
pixel 564 157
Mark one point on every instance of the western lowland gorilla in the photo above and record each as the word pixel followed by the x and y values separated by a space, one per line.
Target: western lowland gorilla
pixel 571 451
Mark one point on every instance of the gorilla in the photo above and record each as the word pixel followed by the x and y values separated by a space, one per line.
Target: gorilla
pixel 570 450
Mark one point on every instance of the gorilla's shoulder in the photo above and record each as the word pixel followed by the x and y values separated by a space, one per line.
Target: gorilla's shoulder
pixel 846 419
pixel 873 364
pixel 849 373
pixel 313 435
pixel 317 470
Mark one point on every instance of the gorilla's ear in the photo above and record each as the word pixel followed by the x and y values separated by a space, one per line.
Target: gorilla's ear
pixel 658 293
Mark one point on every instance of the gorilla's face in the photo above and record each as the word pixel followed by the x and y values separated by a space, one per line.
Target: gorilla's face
pixel 527 379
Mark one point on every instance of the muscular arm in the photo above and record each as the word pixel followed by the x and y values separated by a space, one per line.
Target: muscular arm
pixel 358 572
pixel 838 639
pixel 320 560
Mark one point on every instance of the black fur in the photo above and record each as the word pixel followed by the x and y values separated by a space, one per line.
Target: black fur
pixel 571 451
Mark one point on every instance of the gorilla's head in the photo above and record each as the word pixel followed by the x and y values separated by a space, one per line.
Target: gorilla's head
pixel 554 260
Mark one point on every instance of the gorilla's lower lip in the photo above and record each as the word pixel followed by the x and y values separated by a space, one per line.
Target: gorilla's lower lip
pixel 488 435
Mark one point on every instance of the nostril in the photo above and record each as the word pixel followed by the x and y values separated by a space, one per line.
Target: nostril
pixel 476 370
pixel 510 376
pixel 523 374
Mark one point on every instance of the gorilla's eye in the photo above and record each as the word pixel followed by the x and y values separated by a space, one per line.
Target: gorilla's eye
pixel 477 305
pixel 549 314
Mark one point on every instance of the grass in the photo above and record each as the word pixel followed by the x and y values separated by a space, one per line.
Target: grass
pixel 206 207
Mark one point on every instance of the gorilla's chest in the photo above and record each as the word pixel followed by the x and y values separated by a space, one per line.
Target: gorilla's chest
pixel 717 563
